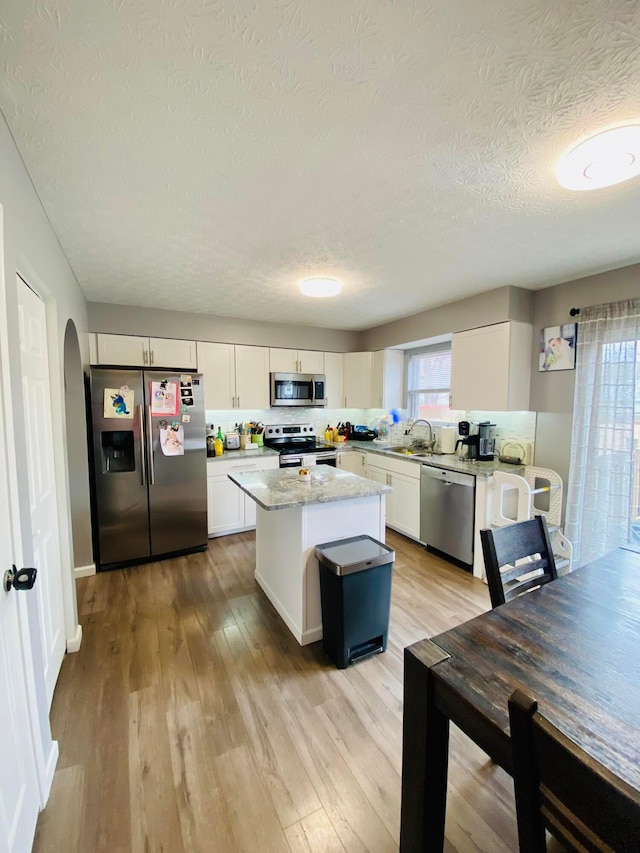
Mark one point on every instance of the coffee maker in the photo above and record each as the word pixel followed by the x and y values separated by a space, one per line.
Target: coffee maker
pixel 469 442
pixel 486 441
pixel 478 446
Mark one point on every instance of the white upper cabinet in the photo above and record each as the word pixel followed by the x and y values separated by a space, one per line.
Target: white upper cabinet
pixel 357 380
pixel 235 377
pixel 123 350
pixel 491 368
pixel 295 361
pixel 252 377
pixel 333 371
pixel 167 352
pixel 132 351
pixel 216 362
pixel 388 379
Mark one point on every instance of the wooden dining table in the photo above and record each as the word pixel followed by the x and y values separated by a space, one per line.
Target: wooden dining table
pixel 573 645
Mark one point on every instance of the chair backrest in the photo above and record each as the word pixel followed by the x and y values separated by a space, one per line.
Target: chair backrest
pixel 503 546
pixel 560 787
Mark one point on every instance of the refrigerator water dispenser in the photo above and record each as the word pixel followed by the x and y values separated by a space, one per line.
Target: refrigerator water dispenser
pixel 117 451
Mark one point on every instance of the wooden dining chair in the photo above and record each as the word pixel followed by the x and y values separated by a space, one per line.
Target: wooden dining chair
pixel 517 558
pixel 560 787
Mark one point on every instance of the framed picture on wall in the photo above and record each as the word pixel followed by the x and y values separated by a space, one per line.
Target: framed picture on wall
pixel 557 350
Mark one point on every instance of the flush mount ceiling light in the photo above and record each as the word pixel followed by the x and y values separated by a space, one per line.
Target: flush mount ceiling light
pixel 320 287
pixel 602 160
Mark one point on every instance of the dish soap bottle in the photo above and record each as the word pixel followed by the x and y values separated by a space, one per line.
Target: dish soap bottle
pixel 219 443
pixel 328 433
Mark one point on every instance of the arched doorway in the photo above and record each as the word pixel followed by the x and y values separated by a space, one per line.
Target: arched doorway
pixel 75 417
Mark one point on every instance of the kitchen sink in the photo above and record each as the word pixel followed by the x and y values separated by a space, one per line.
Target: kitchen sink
pixel 413 451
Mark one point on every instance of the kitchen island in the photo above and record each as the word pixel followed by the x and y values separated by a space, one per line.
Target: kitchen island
pixel 292 517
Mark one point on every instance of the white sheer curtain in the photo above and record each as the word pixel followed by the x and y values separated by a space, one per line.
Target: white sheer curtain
pixel 606 413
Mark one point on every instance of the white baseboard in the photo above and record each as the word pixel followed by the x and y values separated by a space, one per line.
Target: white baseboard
pixel 74 643
pixel 84 571
pixel 47 771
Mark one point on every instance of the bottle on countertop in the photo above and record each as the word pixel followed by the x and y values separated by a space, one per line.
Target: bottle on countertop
pixel 219 443
pixel 211 441
pixel 328 433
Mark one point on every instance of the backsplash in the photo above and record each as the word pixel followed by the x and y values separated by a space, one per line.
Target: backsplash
pixel 318 417
pixel 518 426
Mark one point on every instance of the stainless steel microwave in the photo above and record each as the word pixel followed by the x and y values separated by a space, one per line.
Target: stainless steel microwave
pixel 298 389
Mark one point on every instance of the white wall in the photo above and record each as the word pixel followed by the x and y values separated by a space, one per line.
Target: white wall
pixel 31 249
pixel 552 392
pixel 485 309
pixel 158 323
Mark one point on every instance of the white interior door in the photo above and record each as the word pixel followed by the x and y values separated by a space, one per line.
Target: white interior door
pixel 42 493
pixel 19 796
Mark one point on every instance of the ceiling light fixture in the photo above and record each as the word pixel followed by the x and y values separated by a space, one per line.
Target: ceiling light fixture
pixel 602 160
pixel 320 287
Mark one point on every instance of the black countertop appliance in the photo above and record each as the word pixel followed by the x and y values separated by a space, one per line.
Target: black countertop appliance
pixel 486 441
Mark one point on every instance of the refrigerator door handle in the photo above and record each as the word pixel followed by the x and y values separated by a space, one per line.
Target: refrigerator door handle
pixel 143 467
pixel 152 479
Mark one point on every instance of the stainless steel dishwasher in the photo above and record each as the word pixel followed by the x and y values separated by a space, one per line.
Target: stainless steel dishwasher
pixel 447 511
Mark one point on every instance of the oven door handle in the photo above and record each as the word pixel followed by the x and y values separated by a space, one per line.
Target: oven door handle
pixel 290 461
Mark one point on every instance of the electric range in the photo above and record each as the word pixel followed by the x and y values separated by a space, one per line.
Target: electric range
pixel 298 445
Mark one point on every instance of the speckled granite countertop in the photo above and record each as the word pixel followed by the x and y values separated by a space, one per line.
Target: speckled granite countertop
pixel 283 489
pixel 448 462
pixel 229 455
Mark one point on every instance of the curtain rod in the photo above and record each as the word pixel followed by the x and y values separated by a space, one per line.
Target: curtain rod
pixel 574 312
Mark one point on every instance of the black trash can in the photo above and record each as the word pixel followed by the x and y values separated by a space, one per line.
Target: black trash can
pixel 355 593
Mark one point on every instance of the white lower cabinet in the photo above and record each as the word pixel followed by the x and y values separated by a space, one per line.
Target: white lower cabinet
pixel 229 510
pixel 403 503
pixel 352 460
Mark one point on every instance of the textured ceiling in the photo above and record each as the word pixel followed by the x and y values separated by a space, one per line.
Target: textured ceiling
pixel 206 154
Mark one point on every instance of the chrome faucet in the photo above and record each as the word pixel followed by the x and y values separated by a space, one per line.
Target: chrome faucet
pixel 431 442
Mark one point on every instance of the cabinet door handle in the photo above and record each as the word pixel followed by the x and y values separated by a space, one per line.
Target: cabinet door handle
pixel 145 357
pixel 237 402
pixel 150 356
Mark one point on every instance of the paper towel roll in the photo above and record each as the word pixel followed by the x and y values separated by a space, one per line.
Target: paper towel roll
pixel 448 439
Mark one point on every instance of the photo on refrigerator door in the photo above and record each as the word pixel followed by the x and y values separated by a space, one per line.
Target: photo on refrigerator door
pixel 118 402
pixel 164 398
pixel 171 439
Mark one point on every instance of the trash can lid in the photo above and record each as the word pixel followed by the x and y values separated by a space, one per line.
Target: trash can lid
pixel 345 556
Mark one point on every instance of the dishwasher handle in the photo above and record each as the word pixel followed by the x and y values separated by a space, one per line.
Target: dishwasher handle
pixel 449 478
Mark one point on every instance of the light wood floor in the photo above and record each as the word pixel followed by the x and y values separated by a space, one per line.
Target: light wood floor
pixel 191 720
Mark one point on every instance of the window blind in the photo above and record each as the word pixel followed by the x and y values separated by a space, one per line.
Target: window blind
pixel 429 378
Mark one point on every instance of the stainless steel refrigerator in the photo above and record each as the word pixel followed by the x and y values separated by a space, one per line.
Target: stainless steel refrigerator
pixel 149 465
